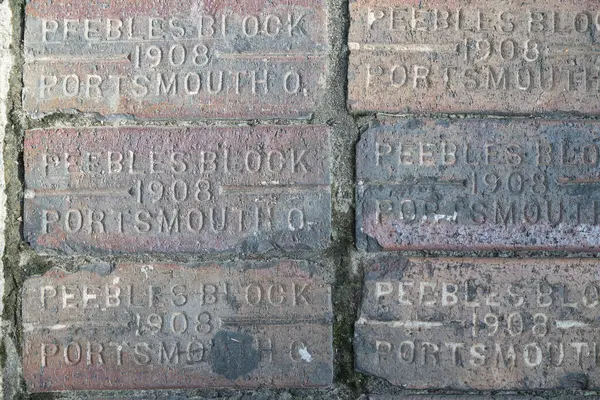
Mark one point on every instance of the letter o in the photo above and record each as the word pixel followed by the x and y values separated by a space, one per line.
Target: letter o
pixel 258 291
pixel 399 75
pixel 195 220
pixel 406 352
pixel 582 22
pixel 412 209
pixel 532 212
pixel 275 157
pixel 71 81
pixel 253 161
pixel 252 30
pixel 73 221
pixel 296 220
pixel 591 300
pixel 192 88
pixel 295 348
pixel 291 82
pixel 199 349
pixel 521 76
pixel 527 356
pixel 77 353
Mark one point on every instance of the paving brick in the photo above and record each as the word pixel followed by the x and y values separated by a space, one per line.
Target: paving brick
pixel 245 325
pixel 479 185
pixel 480 323
pixel 175 58
pixel 178 190
pixel 533 56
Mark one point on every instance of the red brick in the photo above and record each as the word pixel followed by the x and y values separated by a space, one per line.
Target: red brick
pixel 438 323
pixel 177 190
pixel 175 58
pixel 479 185
pixel 243 325
pixel 413 56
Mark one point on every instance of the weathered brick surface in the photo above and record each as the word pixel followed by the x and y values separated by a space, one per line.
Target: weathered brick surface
pixel 243 325
pixel 504 57
pixel 479 185
pixel 175 59
pixel 480 323
pixel 178 190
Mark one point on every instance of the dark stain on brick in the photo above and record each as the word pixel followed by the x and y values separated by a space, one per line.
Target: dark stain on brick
pixel 210 325
pixel 102 269
pixel 233 354
pixel 575 380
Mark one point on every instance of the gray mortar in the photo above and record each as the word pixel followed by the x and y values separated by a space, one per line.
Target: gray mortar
pixel 337 263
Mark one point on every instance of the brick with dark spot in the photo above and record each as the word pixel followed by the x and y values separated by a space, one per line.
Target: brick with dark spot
pixel 161 326
pixel 233 354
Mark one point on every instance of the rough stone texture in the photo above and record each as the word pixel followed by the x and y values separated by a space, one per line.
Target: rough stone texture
pixel 178 190
pixel 480 323
pixel 523 57
pixel 175 59
pixel 6 64
pixel 479 185
pixel 245 324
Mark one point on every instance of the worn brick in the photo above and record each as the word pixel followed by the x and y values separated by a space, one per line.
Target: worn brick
pixel 177 189
pixel 479 185
pixel 244 325
pixel 531 56
pixel 174 58
pixel 480 323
